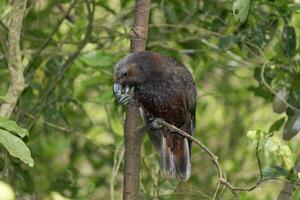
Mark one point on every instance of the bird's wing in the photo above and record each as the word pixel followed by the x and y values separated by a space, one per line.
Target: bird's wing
pixel 188 98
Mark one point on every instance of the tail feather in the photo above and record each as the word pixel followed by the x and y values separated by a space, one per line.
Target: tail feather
pixel 167 160
pixel 183 161
pixel 175 157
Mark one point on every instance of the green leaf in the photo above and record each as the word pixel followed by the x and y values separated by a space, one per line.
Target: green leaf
pixel 98 59
pixel 16 147
pixel 261 92
pixel 228 42
pixel 241 9
pixel 296 194
pixel 13 127
pixel 292 127
pixel 275 171
pixel 277 125
pixel 288 39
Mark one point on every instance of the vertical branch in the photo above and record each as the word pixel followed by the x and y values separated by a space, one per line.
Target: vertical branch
pixel 14 58
pixel 139 30
pixel 16 68
pixel 132 136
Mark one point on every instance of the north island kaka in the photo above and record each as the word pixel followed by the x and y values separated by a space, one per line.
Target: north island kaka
pixel 163 89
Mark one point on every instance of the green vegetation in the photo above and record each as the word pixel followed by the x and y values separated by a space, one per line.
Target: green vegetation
pixel 65 136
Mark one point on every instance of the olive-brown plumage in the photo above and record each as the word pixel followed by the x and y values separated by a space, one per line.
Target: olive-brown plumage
pixel 162 88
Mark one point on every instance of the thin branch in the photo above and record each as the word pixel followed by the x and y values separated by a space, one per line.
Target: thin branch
pixel 262 75
pixel 228 52
pixel 212 156
pixel 5 170
pixel 4 25
pixel 116 167
pixel 222 179
pixel 54 31
pixel 49 124
pixel 65 67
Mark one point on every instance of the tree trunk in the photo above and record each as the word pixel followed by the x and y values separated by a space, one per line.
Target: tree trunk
pixel 132 136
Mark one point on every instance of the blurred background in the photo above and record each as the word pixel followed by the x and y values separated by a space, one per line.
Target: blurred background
pixel 76 127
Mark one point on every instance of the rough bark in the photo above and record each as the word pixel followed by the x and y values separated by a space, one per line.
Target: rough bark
pixel 288 188
pixel 13 54
pixel 132 136
pixel 14 58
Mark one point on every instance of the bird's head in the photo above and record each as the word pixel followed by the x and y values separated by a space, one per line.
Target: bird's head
pixel 133 70
pixel 127 75
pixel 136 68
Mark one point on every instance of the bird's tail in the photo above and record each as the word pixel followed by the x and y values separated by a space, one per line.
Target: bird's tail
pixel 175 157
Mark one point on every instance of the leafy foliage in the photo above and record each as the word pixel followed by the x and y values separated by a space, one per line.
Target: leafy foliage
pixel 16 147
pixel 12 127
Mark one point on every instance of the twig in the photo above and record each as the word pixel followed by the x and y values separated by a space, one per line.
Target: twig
pixel 222 179
pixel 155 192
pixel 5 170
pixel 116 167
pixel 216 191
pixel 262 75
pixel 4 25
pixel 65 67
pixel 54 31
pixel 51 125
pixel 212 156
pixel 184 26
pixel 230 53
pixel 68 16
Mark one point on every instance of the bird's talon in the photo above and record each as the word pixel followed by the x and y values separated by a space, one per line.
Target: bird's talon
pixel 131 89
pixel 127 89
pixel 126 98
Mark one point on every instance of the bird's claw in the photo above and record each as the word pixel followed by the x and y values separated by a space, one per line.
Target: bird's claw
pixel 125 99
pixel 124 95
pixel 157 123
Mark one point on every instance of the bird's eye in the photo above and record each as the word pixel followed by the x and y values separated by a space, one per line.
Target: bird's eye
pixel 125 74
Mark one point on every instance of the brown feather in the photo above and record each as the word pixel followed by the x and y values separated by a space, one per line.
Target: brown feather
pixel 165 89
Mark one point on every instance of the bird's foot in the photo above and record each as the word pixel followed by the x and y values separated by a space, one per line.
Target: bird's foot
pixel 126 98
pixel 124 95
pixel 157 123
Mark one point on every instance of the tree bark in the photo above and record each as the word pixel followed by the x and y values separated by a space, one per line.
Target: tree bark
pixel 12 49
pixel 14 58
pixel 132 136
